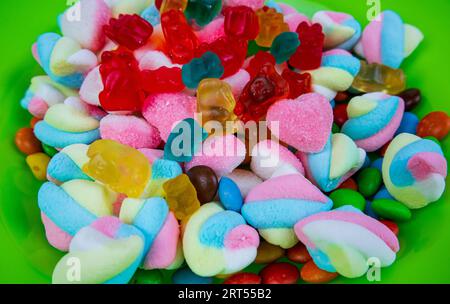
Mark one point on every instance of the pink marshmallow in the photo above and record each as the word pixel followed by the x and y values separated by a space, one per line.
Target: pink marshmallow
pixel 422 164
pixel 130 130
pixel 293 20
pixel 92 87
pixel 254 4
pixel 164 247
pixel 107 225
pixel 304 123
pixel 152 154
pixel 86 25
pixel 294 186
pixel 55 236
pixel 238 82
pixel 242 237
pixel 38 107
pixel 223 154
pixel 212 31
pixel 165 110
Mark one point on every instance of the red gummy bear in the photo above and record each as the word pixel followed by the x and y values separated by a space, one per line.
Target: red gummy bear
pixel 265 89
pixel 130 31
pixel 232 53
pixel 180 38
pixel 260 59
pixel 299 84
pixel 158 4
pixel 309 54
pixel 121 82
pixel 241 22
pixel 162 80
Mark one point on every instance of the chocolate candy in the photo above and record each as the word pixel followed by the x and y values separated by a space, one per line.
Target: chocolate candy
pixel 412 98
pixel 205 182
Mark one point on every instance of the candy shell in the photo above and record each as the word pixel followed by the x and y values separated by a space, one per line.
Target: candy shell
pixel 27 142
pixel 391 209
pixel 298 254
pixel 38 164
pixel 369 181
pixel 312 274
pixel 280 273
pixel 147 277
pixel 435 124
pixel 243 278
pixel 230 195
pixel 268 253
pixel 343 197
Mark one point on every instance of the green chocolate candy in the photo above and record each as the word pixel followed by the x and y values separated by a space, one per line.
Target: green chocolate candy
pixel 391 210
pixel 50 151
pixel 369 181
pixel 147 277
pixel 343 197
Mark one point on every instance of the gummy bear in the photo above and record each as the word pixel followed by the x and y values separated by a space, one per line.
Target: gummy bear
pixel 379 78
pixel 207 66
pixel 257 62
pixel 241 22
pixel 203 11
pixel 180 38
pixel 123 169
pixel 266 88
pixel 232 53
pixel 130 31
pixel 309 54
pixel 184 141
pixel 299 84
pixel 284 46
pixel 181 196
pixel 215 101
pixel 162 80
pixel 167 5
pixel 121 82
pixel 271 24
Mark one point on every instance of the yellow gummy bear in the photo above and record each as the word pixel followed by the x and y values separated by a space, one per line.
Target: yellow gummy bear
pixel 376 77
pixel 181 197
pixel 271 24
pixel 215 101
pixel 168 5
pixel 121 168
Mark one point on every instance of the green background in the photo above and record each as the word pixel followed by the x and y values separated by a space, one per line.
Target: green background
pixel 26 257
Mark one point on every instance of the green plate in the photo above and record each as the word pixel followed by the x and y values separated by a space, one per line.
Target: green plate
pixel 26 257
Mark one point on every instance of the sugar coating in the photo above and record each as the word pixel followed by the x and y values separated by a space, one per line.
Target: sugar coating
pixel 238 82
pixel 130 130
pixel 223 154
pixel 212 31
pixel 245 180
pixel 304 123
pixel 254 4
pixel 165 110
pixel 91 87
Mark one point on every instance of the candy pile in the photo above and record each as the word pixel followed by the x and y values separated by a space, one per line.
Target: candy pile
pixel 347 158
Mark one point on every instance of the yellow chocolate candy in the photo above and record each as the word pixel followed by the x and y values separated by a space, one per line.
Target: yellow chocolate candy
pixel 181 197
pixel 271 24
pixel 216 102
pixel 122 168
pixel 38 164
pixel 379 78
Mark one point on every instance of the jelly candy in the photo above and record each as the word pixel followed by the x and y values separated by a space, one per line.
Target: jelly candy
pixel 27 142
pixel 411 97
pixel 280 273
pixel 167 5
pixel 298 254
pixel 184 141
pixel 130 31
pixel 207 66
pixel 162 80
pixel 436 124
pixel 266 88
pixel 312 274
pixel 379 78
pixel 121 82
pixel 284 46
pixel 203 11
pixel 268 253
pixel 38 164
pixel 123 169
pixel 181 196
pixel 309 54
pixel 340 114
pixel 256 63
pixel 299 84
pixel 181 40
pixel 241 22
pixel 205 181
pixel 215 101
pixel 231 51
pixel 271 24
pixel 243 278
